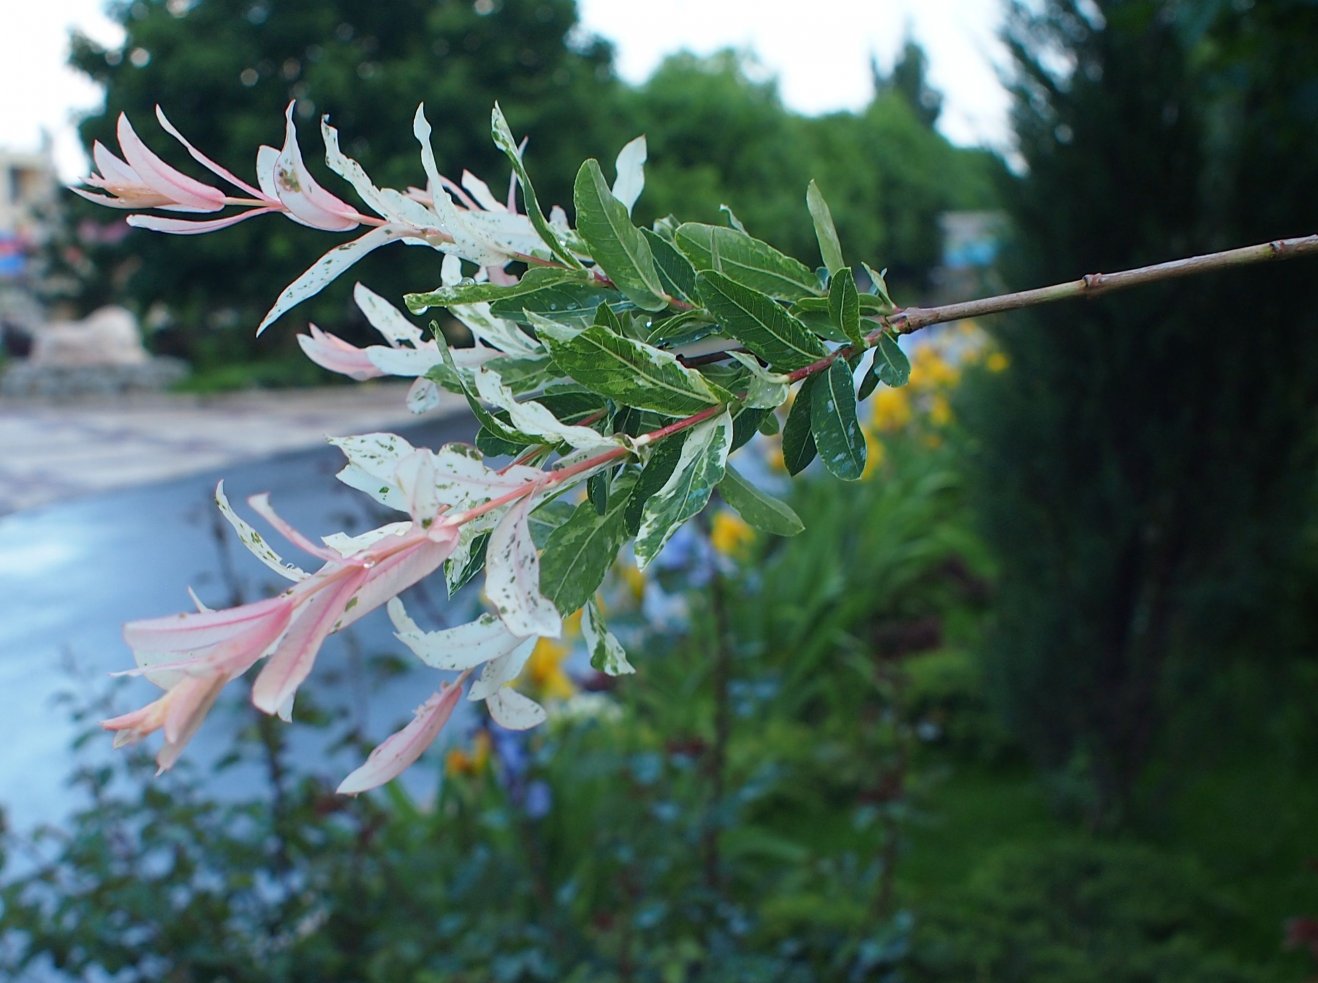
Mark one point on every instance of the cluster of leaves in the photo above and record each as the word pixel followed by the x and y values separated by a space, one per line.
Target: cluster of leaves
pixel 593 357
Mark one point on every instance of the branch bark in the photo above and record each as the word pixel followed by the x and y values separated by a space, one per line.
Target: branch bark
pixel 914 318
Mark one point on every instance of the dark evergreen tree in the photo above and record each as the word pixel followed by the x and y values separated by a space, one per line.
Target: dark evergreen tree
pixel 1146 462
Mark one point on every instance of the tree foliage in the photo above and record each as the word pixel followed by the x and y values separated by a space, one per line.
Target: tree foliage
pixel 1143 466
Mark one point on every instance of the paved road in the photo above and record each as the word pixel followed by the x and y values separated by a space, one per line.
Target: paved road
pixel 71 572
pixel 52 452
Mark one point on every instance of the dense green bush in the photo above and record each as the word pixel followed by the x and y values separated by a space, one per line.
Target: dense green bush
pixel 1080 912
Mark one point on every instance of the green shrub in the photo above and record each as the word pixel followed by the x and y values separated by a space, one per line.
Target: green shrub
pixel 1080 912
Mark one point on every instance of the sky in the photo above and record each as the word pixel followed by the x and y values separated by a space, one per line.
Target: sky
pixel 821 60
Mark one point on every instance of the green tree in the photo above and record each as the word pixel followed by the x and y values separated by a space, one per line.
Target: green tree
pixel 909 79
pixel 224 73
pixel 717 135
pixel 1142 465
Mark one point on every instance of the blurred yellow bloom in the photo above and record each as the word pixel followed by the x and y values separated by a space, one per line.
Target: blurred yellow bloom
pixel 544 670
pixel 874 454
pixel 633 578
pixel 892 409
pixel 460 761
pixel 729 534
pixel 930 370
pixel 940 410
pixel 997 362
pixel 572 624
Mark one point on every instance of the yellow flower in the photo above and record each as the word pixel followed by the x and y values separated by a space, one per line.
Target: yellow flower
pixel 633 578
pixel 892 409
pixel 729 534
pixel 930 370
pixel 997 362
pixel 874 454
pixel 460 761
pixel 940 410
pixel 544 670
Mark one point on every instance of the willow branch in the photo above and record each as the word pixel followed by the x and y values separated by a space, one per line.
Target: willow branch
pixel 914 318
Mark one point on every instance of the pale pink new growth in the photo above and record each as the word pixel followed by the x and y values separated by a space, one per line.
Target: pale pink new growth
pixel 400 751
pixel 193 655
pixel 333 353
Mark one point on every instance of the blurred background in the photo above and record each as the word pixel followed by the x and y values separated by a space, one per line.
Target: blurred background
pixel 1034 700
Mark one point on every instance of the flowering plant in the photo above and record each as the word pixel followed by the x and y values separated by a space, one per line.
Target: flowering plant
pixel 583 373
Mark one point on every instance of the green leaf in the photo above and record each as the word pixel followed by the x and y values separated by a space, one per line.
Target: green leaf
pixel 829 247
pixel 524 374
pixel 455 576
pixel 730 217
pixel 654 475
pixel 565 301
pixel 617 246
pixel 682 329
pixel 762 511
pixel 699 468
pixel 606 652
pixel 891 365
pixel 471 292
pixel 844 306
pixel 798 440
pixel 503 139
pixel 634 373
pixel 597 491
pixel 758 322
pixel 493 445
pixel 837 432
pixel 580 552
pixel 769 426
pixel 880 288
pixel 746 425
pixel 676 274
pixel 748 261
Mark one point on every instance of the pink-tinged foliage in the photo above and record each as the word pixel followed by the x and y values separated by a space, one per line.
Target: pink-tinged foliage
pixel 193 655
pixel 400 751
pixel 333 353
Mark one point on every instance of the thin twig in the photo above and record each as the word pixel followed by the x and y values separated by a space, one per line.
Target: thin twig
pixel 914 318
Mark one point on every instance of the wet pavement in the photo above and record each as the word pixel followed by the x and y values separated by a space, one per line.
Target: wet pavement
pixel 111 518
pixel 52 452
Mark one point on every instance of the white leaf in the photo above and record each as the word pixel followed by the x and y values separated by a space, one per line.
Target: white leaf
pixel 501 671
pixel 533 419
pixel 386 318
pixel 372 461
pixel 326 269
pixel 255 542
pixel 512 576
pixel 606 652
pixel 768 390
pixel 422 396
pixel 410 363
pixel 481 192
pixel 513 711
pixel 461 647
pixel 503 335
pixel 463 480
pixel 347 546
pixel 390 204
pixel 631 173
